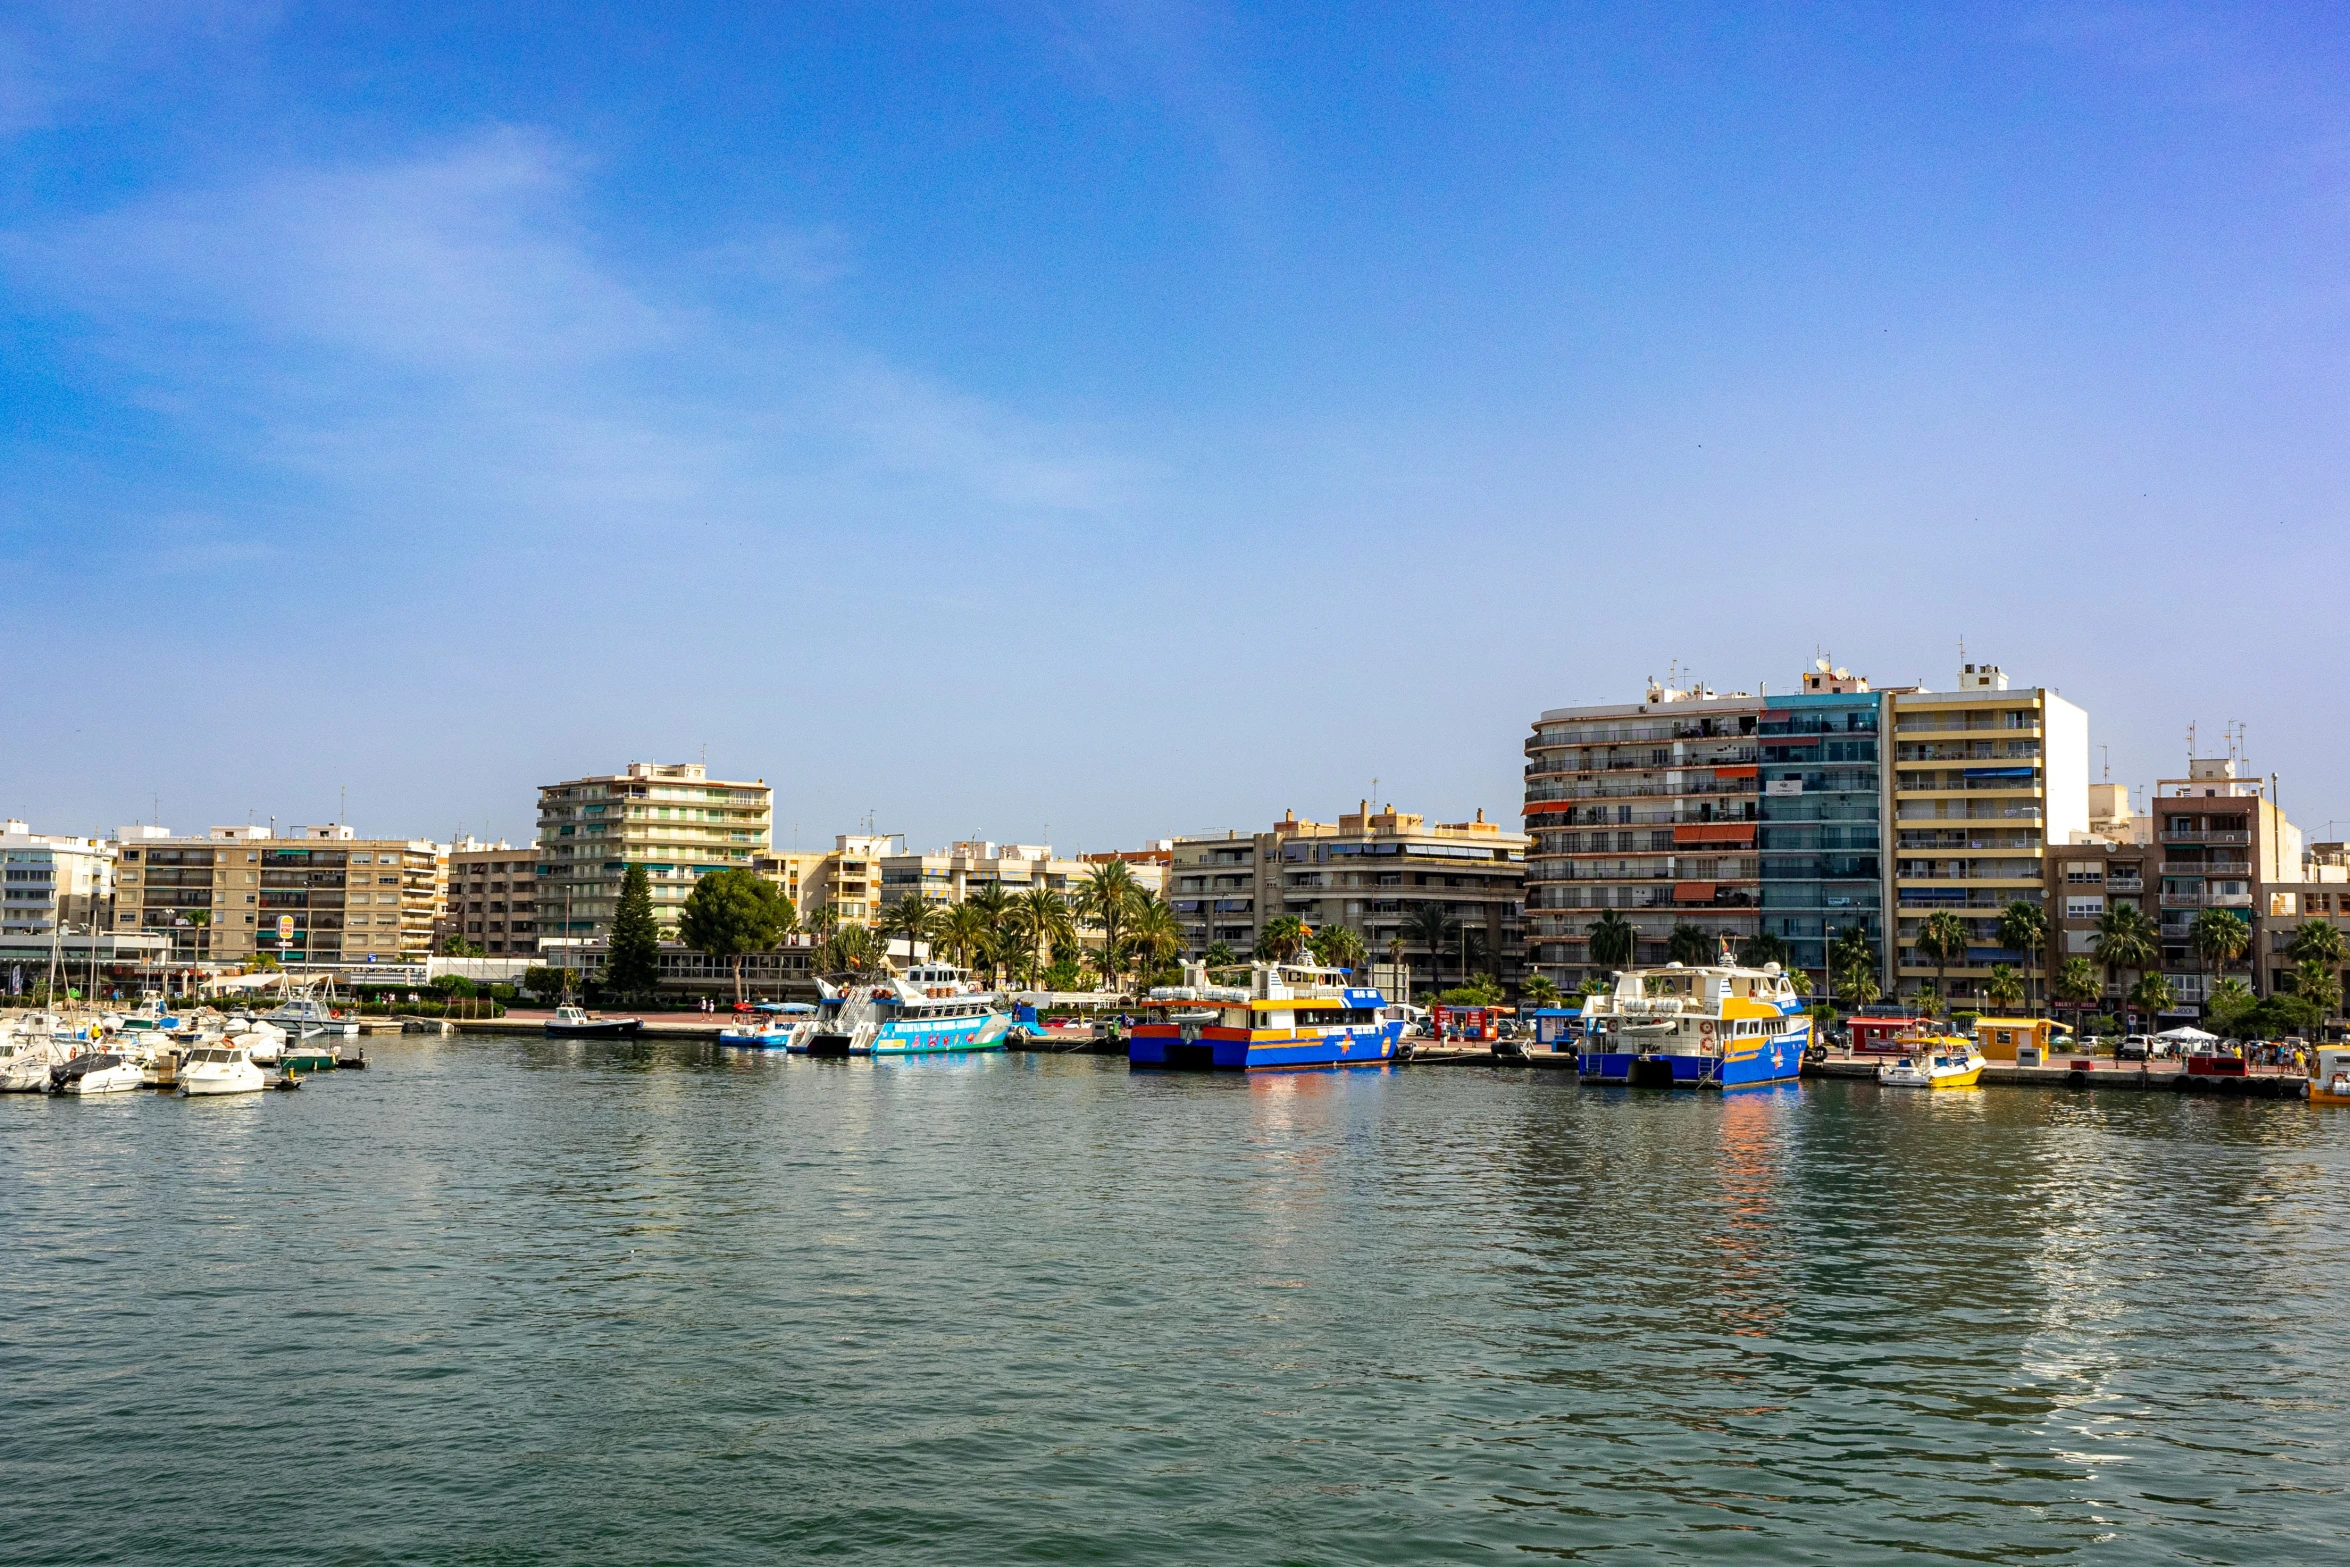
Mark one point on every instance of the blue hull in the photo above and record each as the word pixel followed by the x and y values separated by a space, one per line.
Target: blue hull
pixel 734 1041
pixel 1348 1047
pixel 1777 1062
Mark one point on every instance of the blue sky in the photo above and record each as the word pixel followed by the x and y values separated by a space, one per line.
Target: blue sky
pixel 1135 419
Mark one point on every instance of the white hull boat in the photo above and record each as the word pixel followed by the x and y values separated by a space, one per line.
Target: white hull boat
pixel 107 1073
pixel 220 1070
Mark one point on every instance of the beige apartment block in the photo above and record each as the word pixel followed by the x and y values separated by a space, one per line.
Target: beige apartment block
pixel 493 898
pixel 1985 779
pixel 1147 865
pixel 309 895
pixel 672 818
pixel 1372 871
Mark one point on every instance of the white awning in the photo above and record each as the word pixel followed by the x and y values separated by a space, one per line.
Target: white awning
pixel 2188 1036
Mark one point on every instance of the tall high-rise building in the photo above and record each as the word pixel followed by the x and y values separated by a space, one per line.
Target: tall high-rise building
pixel 1652 809
pixel 1984 780
pixel 672 818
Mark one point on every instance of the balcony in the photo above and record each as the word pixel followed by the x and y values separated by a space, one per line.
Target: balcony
pixel 2170 835
pixel 2184 900
pixel 2124 884
pixel 2207 867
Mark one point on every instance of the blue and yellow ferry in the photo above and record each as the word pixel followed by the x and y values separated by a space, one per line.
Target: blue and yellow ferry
pixel 934 1007
pixel 1705 1026
pixel 1288 1015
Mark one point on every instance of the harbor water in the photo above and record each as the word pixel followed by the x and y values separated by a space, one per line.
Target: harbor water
pixel 503 1301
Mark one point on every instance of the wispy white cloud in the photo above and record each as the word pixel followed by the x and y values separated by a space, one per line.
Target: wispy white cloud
pixel 58 56
pixel 441 343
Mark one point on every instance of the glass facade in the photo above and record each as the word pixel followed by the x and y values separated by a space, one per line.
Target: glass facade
pixel 1822 822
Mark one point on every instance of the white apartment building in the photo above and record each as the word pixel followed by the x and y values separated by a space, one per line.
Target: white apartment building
pixel 51 878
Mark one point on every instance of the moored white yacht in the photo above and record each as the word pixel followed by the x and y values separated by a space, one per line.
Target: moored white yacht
pixel 220 1069
pixel 97 1072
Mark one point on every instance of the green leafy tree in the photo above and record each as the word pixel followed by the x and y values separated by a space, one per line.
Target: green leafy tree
pixel 543 982
pixel 2005 987
pixel 1757 951
pixel 1592 985
pixel 731 914
pixel 456 946
pixel 2126 940
pixel 1282 939
pixel 2078 986
pixel 1613 940
pixel 850 949
pixel 632 953
pixel 1943 939
pixel 1539 992
pixel 2023 927
pixel 1689 944
pixel 1799 981
pixel 1480 991
pixel 2230 999
pixel 1220 955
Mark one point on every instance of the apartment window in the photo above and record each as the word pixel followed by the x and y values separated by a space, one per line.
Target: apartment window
pixel 2078 908
pixel 2082 871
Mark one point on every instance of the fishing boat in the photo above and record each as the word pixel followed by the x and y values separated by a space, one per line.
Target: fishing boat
pixel 1288 1015
pixel 220 1069
pixel 1935 1061
pixel 768 1026
pixel 1714 1025
pixel 933 1008
pixel 570 1022
pixel 311 1055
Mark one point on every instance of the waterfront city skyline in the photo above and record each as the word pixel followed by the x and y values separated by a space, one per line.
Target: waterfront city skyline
pixel 482 400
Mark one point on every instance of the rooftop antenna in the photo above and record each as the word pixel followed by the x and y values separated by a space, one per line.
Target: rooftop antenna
pixel 2190 742
pixel 2108 750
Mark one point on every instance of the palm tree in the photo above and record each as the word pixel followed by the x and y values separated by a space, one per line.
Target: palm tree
pixel 2126 939
pixel 1152 934
pixel 2320 984
pixel 850 948
pixel 911 918
pixel 1339 946
pixel 2078 985
pixel 2005 987
pixel 1283 938
pixel 1430 926
pixel 1943 938
pixel 1107 899
pixel 2152 996
pixel 1851 960
pixel 1613 940
pixel 1756 951
pixel 1539 992
pixel 2219 939
pixel 1045 921
pixel 1395 959
pixel 1688 944
pixel 964 932
pixel 995 907
pixel 2318 953
pixel 2023 927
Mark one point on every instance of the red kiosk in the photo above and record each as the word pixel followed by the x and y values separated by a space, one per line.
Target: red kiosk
pixel 1876 1035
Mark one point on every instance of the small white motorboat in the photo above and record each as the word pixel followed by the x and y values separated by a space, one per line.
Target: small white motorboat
pixel 25 1060
pixel 220 1069
pixel 98 1072
pixel 1935 1061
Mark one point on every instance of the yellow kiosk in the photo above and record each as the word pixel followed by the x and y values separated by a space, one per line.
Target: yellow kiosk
pixel 2027 1041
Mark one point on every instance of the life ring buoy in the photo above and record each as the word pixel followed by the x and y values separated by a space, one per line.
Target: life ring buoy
pixel 1705 1025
